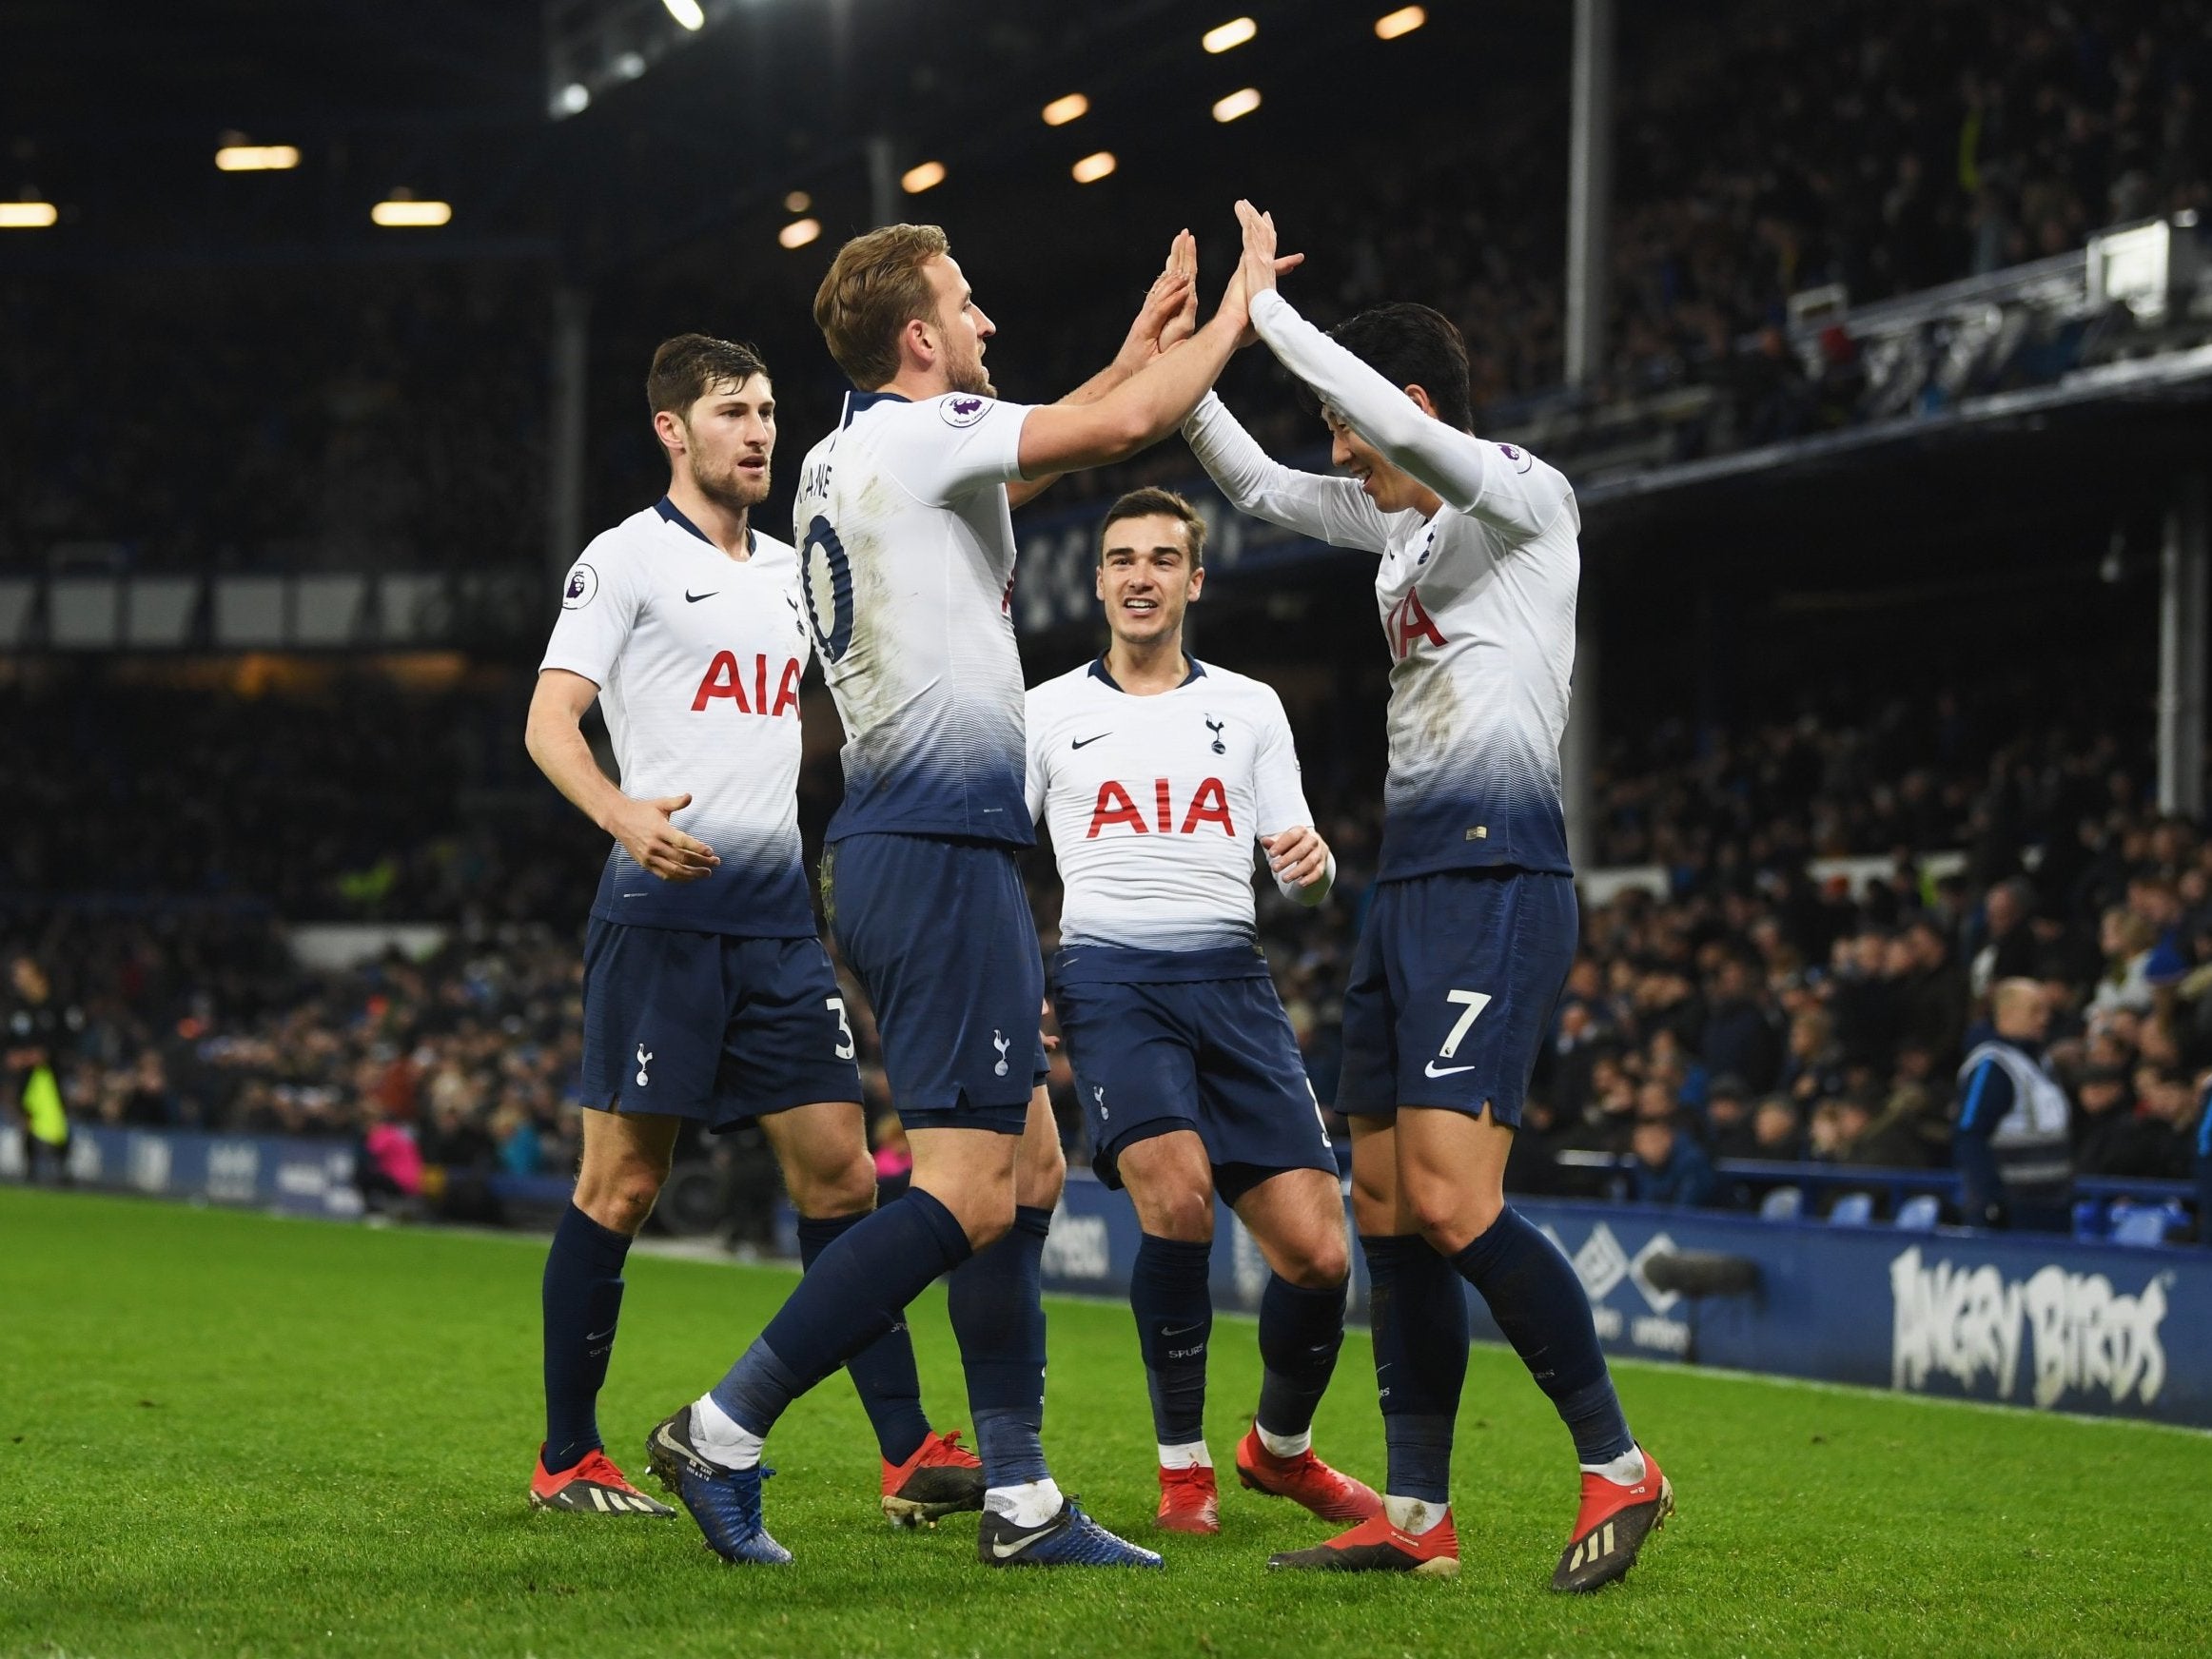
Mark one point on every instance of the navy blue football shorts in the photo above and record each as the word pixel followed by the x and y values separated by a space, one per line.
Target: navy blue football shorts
pixel 711 1026
pixel 940 932
pixel 1452 991
pixel 1193 1040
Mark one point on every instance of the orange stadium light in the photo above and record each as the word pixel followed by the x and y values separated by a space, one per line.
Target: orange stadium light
pixel 27 215
pixel 1237 104
pixel 257 158
pixel 1226 36
pixel 401 211
pixel 1094 167
pixel 1062 110
pixel 797 201
pixel 926 177
pixel 1403 21
pixel 799 232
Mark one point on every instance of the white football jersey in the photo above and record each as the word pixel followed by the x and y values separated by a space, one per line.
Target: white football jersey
pixel 1477 607
pixel 698 658
pixel 908 547
pixel 1155 803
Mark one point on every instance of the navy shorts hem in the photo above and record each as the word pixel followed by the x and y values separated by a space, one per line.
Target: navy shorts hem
pixel 999 1119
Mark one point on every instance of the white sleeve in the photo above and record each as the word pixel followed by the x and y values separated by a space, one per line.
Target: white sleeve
pixel 952 446
pixel 1036 780
pixel 598 605
pixel 1280 786
pixel 1505 487
pixel 1330 510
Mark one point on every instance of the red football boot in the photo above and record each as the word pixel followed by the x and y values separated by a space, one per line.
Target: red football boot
pixel 1612 1525
pixel 1304 1480
pixel 1189 1501
pixel 1376 1546
pixel 594 1487
pixel 941 1478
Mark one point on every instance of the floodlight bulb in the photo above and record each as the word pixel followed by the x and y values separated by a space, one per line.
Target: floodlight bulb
pixel 1062 110
pixel 27 215
pixel 1229 35
pixel 575 99
pixel 1236 104
pixel 686 12
pixel 1094 167
pixel 926 177
pixel 1403 21
pixel 257 158
pixel 401 213
pixel 799 232
pixel 797 201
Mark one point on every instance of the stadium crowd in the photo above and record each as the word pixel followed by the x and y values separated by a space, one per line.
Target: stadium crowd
pixel 396 415
pixel 1726 1004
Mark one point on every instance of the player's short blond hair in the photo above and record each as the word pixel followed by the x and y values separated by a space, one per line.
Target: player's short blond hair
pixel 875 287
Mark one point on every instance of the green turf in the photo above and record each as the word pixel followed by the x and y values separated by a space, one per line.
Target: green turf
pixel 227 1434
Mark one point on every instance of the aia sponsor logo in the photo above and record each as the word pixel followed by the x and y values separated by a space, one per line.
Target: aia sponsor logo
pixel 725 679
pixel 1116 805
pixel 1409 627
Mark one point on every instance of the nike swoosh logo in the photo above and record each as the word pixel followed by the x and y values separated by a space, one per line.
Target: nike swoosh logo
pixel 1081 741
pixel 1448 1071
pixel 1178 1331
pixel 1005 1550
pixel 694 598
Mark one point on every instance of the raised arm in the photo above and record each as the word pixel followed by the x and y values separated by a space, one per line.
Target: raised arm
pixel 1514 494
pixel 1328 509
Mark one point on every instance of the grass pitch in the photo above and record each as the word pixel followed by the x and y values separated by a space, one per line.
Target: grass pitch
pixel 223 1433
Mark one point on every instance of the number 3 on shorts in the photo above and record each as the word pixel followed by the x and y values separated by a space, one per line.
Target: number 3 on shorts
pixel 1474 1002
pixel 844 1024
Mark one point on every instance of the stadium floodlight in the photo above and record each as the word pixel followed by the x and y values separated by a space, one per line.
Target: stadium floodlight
pixel 630 64
pixel 1094 167
pixel 797 201
pixel 799 232
pixel 401 211
pixel 1236 104
pixel 574 99
pixel 1062 110
pixel 1403 21
pixel 27 215
pixel 687 12
pixel 1229 35
pixel 257 158
pixel 926 177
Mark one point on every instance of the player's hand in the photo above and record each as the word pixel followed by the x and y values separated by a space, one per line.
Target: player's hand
pixel 1256 271
pixel 646 834
pixel 1172 294
pixel 1052 1042
pixel 1299 857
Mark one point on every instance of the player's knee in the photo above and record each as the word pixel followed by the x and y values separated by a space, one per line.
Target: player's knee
pixel 1041 1176
pixel 848 1189
pixel 621 1196
pixel 1185 1213
pixel 1452 1219
pixel 1318 1262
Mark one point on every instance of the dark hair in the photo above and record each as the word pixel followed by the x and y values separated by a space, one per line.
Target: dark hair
pixel 1147 502
pixel 687 367
pixel 1413 345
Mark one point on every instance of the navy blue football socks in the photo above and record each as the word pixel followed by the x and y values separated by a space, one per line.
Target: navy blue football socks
pixel 998 1317
pixel 582 1299
pixel 1417 1309
pixel 1175 1321
pixel 857 1291
pixel 1300 1330
pixel 883 1372
pixel 1541 1307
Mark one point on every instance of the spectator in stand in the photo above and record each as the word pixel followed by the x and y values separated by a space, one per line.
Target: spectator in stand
pixel 1670 1167
pixel 2007 948
pixel 1777 1130
pixel 1739 1036
pixel 1728 1119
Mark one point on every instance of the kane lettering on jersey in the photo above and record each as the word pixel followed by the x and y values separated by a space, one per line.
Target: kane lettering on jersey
pixel 908 546
pixel 1155 803
pixel 698 658
pixel 1477 607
